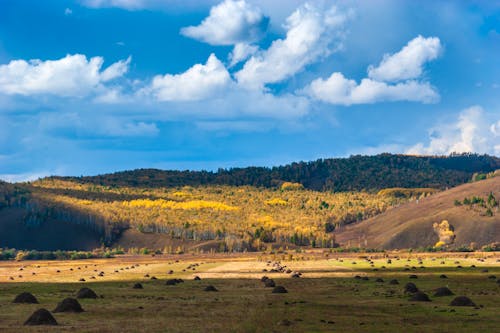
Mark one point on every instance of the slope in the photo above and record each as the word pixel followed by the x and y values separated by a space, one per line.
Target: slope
pixel 411 225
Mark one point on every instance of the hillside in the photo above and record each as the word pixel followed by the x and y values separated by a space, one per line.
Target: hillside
pixel 410 225
pixel 236 218
pixel 355 173
pixel 175 211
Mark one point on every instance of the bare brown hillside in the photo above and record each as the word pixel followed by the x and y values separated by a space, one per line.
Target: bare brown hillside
pixel 410 225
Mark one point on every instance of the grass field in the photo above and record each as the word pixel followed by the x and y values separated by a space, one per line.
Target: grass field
pixel 326 298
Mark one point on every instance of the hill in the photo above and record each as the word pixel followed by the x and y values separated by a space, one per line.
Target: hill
pixel 471 210
pixel 179 210
pixel 355 173
pixel 227 217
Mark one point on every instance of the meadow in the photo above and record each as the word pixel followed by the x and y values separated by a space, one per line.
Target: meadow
pixel 335 292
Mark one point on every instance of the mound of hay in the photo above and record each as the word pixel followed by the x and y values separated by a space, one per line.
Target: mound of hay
pixel 462 301
pixel 279 290
pixel 41 317
pixel 172 282
pixel 394 281
pixel 419 297
pixel 25 298
pixel 411 288
pixel 86 293
pixel 269 283
pixel 137 286
pixel 68 305
pixel 443 291
pixel 210 288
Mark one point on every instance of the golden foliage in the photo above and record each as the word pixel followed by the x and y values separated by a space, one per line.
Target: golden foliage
pixel 209 212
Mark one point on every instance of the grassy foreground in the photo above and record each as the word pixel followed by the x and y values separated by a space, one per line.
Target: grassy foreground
pixel 326 298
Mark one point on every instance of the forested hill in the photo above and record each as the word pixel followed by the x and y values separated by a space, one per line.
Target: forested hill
pixel 338 174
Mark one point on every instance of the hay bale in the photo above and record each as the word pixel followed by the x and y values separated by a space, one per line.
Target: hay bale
pixel 419 297
pixel 68 305
pixel 462 301
pixel 442 291
pixel 210 288
pixel 137 286
pixel 410 288
pixel 86 293
pixel 279 290
pixel 26 298
pixel 394 281
pixel 269 283
pixel 171 282
pixel 41 317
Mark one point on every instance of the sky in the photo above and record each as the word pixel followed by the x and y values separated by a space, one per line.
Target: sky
pixel 98 86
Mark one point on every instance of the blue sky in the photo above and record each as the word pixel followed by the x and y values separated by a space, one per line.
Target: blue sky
pixel 94 86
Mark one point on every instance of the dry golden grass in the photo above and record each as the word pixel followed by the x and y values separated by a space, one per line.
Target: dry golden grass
pixel 326 298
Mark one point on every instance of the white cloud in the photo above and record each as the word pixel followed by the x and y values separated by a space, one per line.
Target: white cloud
pixel 197 83
pixel 229 23
pixel 339 90
pixel 241 52
pixel 311 33
pixel 405 67
pixel 407 63
pixel 116 70
pixel 68 11
pixel 472 132
pixel 71 76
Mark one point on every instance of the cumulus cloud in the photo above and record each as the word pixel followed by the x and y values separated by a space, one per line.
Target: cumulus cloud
pixel 407 63
pixel 404 68
pixel 197 83
pixel 241 52
pixel 311 33
pixel 230 22
pixel 71 76
pixel 339 90
pixel 472 132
